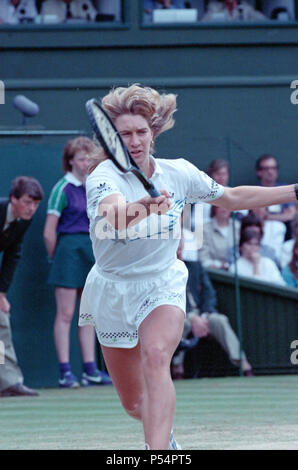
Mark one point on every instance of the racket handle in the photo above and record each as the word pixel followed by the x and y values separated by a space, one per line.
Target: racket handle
pixel 153 192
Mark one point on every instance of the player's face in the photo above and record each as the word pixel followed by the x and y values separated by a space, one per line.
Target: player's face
pixel 136 134
pixel 79 164
pixel 24 207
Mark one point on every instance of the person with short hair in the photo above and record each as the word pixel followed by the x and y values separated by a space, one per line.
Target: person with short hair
pixel 16 213
pixel 135 293
pixel 267 171
pixel 66 235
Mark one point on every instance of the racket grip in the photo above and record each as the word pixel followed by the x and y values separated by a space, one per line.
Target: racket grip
pixel 153 192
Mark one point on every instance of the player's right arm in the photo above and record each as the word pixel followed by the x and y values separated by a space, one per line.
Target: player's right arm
pixel 122 215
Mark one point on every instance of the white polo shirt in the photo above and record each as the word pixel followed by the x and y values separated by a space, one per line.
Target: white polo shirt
pixel 150 246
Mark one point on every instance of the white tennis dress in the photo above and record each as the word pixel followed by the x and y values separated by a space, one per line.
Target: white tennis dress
pixel 137 270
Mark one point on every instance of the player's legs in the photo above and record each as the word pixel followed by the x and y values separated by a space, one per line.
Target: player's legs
pixel 159 335
pixel 125 369
pixel 141 375
pixel 65 303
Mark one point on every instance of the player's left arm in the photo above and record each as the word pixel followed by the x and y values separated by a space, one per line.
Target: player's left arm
pixel 251 197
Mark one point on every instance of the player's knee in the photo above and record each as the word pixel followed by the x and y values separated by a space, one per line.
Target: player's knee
pixel 132 407
pixel 155 357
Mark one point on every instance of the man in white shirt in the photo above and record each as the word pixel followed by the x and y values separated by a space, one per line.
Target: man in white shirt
pixel 17 11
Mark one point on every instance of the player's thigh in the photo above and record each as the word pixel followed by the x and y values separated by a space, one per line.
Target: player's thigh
pixel 161 332
pixel 125 370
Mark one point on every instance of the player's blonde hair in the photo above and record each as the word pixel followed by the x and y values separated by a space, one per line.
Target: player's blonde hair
pixel 157 108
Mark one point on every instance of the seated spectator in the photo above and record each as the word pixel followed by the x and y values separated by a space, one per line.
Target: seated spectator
pixel 267 173
pixel 17 11
pixel 252 221
pixel 287 248
pixel 203 320
pixel 232 10
pixel 219 171
pixel 218 238
pixel 150 5
pixel 252 264
pixel 273 231
pixel 290 272
pixel 59 11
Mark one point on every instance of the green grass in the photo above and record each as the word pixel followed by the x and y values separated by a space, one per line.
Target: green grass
pixel 224 413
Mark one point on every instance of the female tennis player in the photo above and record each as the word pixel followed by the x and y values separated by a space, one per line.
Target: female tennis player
pixel 135 293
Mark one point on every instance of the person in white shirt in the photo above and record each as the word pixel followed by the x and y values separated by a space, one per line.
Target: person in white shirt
pixel 17 11
pixel 252 264
pixel 135 293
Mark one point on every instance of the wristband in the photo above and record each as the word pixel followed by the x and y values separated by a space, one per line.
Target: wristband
pixel 296 190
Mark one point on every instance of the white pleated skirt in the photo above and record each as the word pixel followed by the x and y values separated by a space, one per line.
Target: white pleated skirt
pixel 116 307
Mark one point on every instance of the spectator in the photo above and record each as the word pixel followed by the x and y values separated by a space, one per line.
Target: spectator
pixel 267 172
pixel 232 10
pixel 290 272
pixel 66 235
pixel 150 5
pixel 219 171
pixel 252 264
pixel 287 248
pixel 17 11
pixel 16 213
pixel 252 221
pixel 218 239
pixel 273 230
pixel 68 10
pixel 203 320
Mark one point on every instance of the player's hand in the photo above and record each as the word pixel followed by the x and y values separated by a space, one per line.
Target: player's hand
pixel 158 205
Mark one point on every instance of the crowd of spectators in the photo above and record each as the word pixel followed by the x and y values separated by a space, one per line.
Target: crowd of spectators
pixel 59 11
pixel 204 11
pixel 260 243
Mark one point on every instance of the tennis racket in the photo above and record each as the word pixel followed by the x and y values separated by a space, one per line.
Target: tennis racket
pixel 113 144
